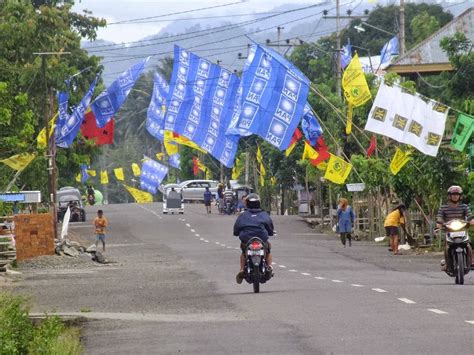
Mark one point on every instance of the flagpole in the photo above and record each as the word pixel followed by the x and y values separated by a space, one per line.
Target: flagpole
pixel 50 148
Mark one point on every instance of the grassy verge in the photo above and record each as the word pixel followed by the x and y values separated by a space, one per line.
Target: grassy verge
pixel 18 335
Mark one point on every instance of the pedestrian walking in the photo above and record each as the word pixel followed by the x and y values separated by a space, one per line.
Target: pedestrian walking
pixel 100 223
pixel 345 221
pixel 393 220
pixel 207 200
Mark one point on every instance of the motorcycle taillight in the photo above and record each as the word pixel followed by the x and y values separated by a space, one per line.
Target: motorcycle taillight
pixel 256 245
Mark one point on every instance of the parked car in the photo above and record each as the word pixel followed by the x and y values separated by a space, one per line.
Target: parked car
pixel 193 190
pixel 70 197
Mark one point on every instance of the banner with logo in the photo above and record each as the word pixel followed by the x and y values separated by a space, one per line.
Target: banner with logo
pixel 338 170
pixel 408 119
pixel 462 132
pixel 399 160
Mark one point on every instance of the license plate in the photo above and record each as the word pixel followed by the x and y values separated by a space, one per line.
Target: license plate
pixel 457 234
pixel 255 252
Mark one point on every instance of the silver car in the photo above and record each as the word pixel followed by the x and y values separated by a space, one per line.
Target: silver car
pixel 193 190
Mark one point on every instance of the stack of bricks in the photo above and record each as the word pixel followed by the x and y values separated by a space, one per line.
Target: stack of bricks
pixel 34 235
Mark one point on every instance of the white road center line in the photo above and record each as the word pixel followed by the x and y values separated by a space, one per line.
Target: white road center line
pixel 201 238
pixel 197 235
pixel 378 290
pixel 229 247
pixel 357 285
pixel 319 278
pixel 192 230
pixel 206 241
pixel 305 274
pixel 406 300
pixel 437 311
pixel 282 266
pixel 337 281
pixel 470 321
pixel 218 243
pixel 237 248
pixel 188 225
pixel 293 270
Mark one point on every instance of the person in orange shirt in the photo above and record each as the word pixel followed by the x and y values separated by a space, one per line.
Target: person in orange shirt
pixel 100 223
pixel 393 220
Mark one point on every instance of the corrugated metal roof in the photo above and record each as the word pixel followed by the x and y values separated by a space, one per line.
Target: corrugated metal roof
pixel 429 51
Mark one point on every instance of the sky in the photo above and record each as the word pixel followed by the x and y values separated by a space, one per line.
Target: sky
pixel 123 10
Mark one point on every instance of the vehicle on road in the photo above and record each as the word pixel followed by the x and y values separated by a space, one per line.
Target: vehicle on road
pixel 457 239
pixel 256 271
pixel 70 197
pixel 193 190
pixel 172 200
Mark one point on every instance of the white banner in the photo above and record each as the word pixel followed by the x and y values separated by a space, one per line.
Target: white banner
pixel 65 227
pixel 408 119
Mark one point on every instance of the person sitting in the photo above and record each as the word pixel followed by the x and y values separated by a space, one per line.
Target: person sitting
pixel 253 222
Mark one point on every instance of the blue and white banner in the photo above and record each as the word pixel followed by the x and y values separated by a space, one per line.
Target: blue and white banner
pixel 152 174
pixel 107 104
pixel 310 125
pixel 175 161
pixel 84 174
pixel 68 130
pixel 346 55
pixel 157 108
pixel 273 95
pixel 389 49
pixel 201 100
pixel 63 114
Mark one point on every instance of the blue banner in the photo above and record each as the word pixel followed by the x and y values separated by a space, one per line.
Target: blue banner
pixel 201 100
pixel 175 161
pixel 346 55
pixel 84 174
pixel 389 49
pixel 157 108
pixel 152 174
pixel 68 131
pixel 273 95
pixel 310 125
pixel 106 105
pixel 63 114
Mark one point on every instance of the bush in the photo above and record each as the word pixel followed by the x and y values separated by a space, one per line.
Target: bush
pixel 19 336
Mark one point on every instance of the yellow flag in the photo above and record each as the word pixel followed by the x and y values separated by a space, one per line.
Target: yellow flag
pixel 259 155
pixel 139 195
pixel 309 152
pixel 119 174
pixel 19 161
pixel 78 177
pixel 354 84
pixel 205 170
pixel 136 169
pixel 237 169
pixel 338 170
pixel 273 180
pixel 170 138
pixel 399 160
pixel 41 139
pixel 92 173
pixel 160 156
pixel 104 177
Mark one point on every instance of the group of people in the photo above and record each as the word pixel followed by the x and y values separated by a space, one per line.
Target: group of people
pixel 223 196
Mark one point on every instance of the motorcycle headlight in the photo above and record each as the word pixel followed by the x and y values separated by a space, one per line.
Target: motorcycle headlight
pixel 456 224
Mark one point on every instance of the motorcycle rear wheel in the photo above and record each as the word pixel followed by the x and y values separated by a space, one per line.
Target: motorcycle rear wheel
pixel 460 269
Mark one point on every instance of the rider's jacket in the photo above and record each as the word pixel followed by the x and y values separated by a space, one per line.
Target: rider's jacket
pixel 453 211
pixel 253 223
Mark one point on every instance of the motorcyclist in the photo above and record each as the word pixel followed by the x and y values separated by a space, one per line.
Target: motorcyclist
pixel 90 194
pixel 454 209
pixel 229 196
pixel 253 222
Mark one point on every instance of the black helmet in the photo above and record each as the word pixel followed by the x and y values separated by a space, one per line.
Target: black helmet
pixel 455 189
pixel 253 201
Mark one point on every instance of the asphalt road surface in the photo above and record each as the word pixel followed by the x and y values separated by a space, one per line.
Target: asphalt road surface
pixel 173 290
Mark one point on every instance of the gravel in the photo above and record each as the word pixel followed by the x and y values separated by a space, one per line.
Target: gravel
pixel 58 262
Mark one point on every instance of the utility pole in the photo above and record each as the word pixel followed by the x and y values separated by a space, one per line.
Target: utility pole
pixel 247 169
pixel 402 27
pixel 338 53
pixel 279 28
pixel 50 142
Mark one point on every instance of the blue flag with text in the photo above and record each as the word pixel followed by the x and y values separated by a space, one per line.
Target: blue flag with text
pixel 271 98
pixel 106 105
pixel 157 108
pixel 200 103
pixel 310 125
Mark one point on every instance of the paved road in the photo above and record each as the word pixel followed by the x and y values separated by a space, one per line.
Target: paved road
pixel 173 290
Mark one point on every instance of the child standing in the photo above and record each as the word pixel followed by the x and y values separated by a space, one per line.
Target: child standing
pixel 100 223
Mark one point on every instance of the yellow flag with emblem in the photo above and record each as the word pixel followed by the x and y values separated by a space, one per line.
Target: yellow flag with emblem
pixel 399 160
pixel 104 177
pixel 139 195
pixel 170 138
pixel 41 139
pixel 19 161
pixel 119 174
pixel 160 156
pixel 354 84
pixel 237 169
pixel 338 170
pixel 136 169
pixel 92 173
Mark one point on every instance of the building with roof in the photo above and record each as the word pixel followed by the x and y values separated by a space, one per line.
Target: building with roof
pixel 427 56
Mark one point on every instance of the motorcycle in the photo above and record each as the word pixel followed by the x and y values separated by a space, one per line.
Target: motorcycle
pixel 256 270
pixel 229 206
pixel 457 239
